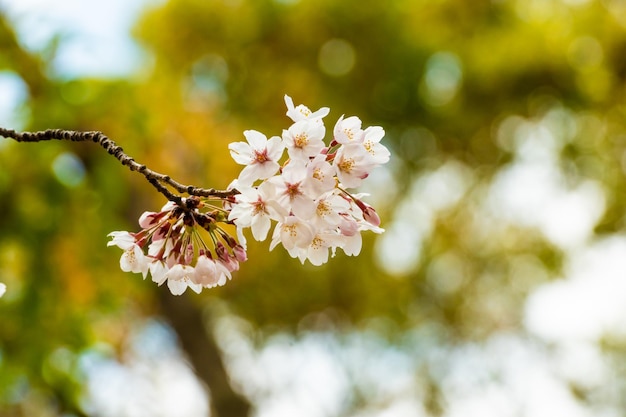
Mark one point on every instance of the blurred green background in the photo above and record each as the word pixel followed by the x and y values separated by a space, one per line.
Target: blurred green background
pixel 498 289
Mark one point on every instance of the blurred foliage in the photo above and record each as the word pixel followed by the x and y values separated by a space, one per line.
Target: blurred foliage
pixel 442 77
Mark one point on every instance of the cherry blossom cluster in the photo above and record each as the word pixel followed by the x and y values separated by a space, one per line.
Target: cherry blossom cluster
pixel 307 194
pixel 172 246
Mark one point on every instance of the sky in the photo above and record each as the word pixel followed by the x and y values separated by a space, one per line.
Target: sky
pixel 96 42
pixel 96 34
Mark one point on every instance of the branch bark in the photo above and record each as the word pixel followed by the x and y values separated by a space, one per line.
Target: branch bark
pixel 158 181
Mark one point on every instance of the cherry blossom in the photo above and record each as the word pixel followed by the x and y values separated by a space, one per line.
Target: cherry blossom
pixel 351 245
pixel 318 214
pixel 133 259
pixel 179 277
pixel 320 176
pixel 3 289
pixel 302 112
pixel 348 130
pixel 292 233
pixel 352 164
pixel 260 156
pixel 371 141
pixel 304 139
pixel 158 270
pixel 177 252
pixel 318 249
pixel 328 209
pixel 304 194
pixel 255 208
pixel 291 191
pixel 210 273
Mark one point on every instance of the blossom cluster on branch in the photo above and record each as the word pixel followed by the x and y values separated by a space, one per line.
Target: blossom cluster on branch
pixel 307 196
pixel 187 244
pixel 175 240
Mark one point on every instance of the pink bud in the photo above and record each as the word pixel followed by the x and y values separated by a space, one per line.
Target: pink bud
pixel 221 251
pixel 232 265
pixel 226 258
pixel 348 226
pixel 147 219
pixel 370 216
pixel 150 218
pixel 240 253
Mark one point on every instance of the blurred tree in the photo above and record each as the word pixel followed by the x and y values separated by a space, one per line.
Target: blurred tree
pixel 453 83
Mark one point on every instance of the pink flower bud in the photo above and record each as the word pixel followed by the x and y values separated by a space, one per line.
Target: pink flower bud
pixel 148 218
pixel 151 218
pixel 370 216
pixel 240 253
pixel 348 226
pixel 226 258
pixel 221 251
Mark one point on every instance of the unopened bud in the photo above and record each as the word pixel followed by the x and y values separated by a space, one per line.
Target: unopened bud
pixel 240 253
pixel 371 216
pixel 149 218
pixel 348 227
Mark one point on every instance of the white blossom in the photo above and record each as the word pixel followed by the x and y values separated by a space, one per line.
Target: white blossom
pixel 304 139
pixel 317 251
pixel 255 208
pixel 352 164
pixel 328 211
pixel 291 192
pixel 210 273
pixel 320 176
pixel 179 277
pixel 292 233
pixel 158 270
pixel 348 130
pixel 259 154
pixel 134 260
pixel 371 142
pixel 122 240
pixel 302 112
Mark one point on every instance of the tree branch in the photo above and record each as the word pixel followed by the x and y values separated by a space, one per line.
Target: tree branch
pixel 158 181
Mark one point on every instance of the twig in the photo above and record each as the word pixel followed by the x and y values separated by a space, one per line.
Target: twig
pixel 156 179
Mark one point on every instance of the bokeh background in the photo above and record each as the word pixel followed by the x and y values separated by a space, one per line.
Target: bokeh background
pixel 498 289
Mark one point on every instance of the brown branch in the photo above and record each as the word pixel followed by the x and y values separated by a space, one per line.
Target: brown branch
pixel 156 179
